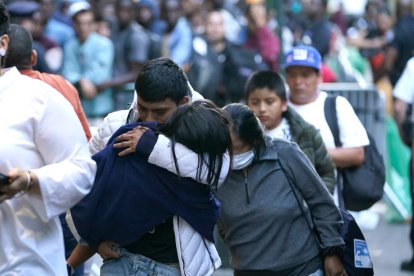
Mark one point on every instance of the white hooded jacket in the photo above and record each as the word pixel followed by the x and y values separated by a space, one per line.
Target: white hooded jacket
pixel 197 256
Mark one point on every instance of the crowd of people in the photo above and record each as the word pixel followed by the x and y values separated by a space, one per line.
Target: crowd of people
pixel 218 43
pixel 208 114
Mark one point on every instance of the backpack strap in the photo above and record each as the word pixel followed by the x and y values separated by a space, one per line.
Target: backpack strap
pixel 331 118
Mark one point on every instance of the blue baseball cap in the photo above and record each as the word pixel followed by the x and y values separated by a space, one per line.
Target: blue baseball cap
pixel 23 8
pixel 303 55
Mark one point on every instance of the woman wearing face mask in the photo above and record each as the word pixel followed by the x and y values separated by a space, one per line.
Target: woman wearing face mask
pixel 261 221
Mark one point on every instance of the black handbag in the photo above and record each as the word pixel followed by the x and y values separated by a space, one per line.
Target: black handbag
pixel 363 185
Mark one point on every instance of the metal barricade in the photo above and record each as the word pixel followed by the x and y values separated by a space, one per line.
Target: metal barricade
pixel 368 104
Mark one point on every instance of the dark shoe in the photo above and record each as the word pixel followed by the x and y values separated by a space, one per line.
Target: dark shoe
pixel 407 265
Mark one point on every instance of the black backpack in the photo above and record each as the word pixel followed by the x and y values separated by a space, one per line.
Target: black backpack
pixel 363 185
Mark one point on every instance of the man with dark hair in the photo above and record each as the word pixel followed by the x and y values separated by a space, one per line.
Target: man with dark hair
pixel 303 74
pixel 317 31
pixel 88 60
pixel 21 55
pixel 160 87
pixel 401 48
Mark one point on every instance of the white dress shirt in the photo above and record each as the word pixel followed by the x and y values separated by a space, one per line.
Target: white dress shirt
pixel 39 131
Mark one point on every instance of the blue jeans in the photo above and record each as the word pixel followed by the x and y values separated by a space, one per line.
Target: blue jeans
pixel 136 265
pixel 318 272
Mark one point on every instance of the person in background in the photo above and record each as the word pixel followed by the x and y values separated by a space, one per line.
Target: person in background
pixel 232 15
pixel 87 62
pixel 259 36
pixel 58 25
pixel 177 37
pixel 261 221
pixel 49 169
pixel 132 46
pixel 265 94
pixel 372 38
pixel 28 15
pixel 401 48
pixel 404 97
pixel 220 68
pixel 317 30
pixel 303 75
pixel 148 16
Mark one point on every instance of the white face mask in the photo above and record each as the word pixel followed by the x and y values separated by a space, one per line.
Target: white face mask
pixel 242 160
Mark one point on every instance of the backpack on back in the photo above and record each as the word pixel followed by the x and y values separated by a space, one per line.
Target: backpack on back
pixel 362 185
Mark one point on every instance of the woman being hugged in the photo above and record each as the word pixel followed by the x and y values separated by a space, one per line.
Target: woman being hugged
pixel 130 197
pixel 261 221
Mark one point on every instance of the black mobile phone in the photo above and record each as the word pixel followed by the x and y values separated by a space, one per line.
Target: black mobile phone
pixel 4 179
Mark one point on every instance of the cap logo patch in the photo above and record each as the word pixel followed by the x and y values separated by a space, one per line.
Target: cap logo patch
pixel 300 54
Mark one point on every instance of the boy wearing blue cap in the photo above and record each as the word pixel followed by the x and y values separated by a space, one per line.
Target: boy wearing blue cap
pixel 303 74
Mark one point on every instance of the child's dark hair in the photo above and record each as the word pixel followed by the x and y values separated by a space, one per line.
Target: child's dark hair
pixel 205 129
pixel 266 79
pixel 246 125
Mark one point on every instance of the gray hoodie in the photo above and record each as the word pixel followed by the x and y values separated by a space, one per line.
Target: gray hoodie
pixel 261 221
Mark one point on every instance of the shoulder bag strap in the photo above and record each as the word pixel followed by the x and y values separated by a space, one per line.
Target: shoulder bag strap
pixel 331 118
pixel 292 187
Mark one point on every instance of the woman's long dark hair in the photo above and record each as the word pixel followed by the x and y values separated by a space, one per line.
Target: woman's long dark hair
pixel 246 125
pixel 203 128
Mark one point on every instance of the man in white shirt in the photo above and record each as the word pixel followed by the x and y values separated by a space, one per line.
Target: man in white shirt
pixel 43 138
pixel 404 96
pixel 303 76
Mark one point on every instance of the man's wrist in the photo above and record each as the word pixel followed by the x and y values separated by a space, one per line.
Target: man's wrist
pixel 333 251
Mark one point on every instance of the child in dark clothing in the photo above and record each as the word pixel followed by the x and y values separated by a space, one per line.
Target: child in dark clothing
pixel 265 94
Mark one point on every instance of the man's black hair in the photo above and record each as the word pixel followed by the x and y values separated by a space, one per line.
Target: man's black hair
pixel 20 47
pixel 162 79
